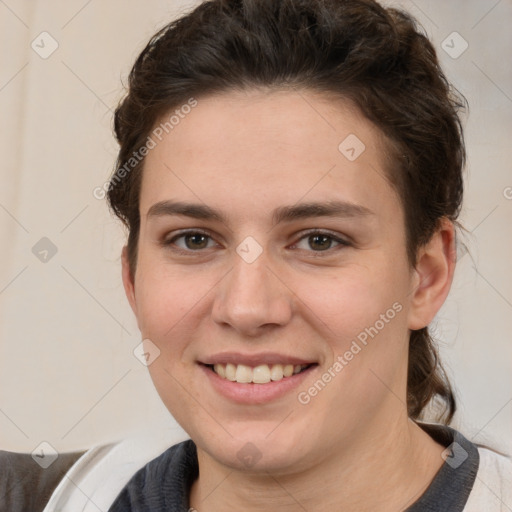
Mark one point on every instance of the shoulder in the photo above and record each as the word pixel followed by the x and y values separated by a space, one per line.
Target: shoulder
pixel 492 490
pixel 488 481
pixel 175 458
pixel 27 481
pixel 162 483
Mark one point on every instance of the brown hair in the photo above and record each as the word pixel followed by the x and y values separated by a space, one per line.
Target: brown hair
pixel 377 58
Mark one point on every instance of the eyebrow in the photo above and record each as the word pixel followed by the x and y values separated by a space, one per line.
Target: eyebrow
pixel 341 209
pixel 196 211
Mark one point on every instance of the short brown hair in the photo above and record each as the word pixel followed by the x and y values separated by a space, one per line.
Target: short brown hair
pixel 376 57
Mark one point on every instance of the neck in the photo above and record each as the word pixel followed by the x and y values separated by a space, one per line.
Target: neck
pixel 385 471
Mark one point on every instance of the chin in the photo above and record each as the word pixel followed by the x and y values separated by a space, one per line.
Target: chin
pixel 252 449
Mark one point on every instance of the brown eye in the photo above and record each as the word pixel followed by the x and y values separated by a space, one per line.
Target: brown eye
pixel 196 241
pixel 320 242
pixel 190 241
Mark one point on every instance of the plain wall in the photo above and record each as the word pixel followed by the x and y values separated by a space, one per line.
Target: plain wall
pixel 67 372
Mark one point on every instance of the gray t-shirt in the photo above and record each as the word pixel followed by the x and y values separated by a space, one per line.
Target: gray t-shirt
pixel 163 485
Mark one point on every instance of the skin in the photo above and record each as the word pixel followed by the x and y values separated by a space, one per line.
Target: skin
pixel 246 154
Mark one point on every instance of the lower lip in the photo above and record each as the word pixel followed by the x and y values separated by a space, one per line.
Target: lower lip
pixel 255 393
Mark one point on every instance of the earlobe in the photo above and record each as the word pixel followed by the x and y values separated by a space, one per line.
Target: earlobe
pixel 433 276
pixel 128 280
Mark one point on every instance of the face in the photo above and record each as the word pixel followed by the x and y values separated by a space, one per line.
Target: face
pixel 272 244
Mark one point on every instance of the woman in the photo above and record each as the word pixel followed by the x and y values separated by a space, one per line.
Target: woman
pixel 290 173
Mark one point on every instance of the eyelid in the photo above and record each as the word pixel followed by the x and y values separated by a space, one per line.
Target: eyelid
pixel 343 242
pixel 169 241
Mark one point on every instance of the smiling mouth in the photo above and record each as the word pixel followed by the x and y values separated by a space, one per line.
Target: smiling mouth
pixel 261 374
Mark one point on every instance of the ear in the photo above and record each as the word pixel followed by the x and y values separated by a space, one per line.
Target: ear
pixel 128 281
pixel 433 275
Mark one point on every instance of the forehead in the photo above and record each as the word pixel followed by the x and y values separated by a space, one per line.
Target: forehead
pixel 254 149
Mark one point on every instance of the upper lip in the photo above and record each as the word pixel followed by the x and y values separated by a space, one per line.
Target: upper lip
pixel 268 358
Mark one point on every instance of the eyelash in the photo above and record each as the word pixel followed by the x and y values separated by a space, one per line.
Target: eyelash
pixel 340 241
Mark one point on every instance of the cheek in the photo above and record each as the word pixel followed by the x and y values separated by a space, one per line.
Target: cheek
pixel 167 301
pixel 363 321
pixel 169 306
pixel 362 317
pixel 348 302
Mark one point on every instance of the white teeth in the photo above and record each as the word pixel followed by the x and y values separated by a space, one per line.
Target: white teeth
pixel 276 372
pixel 243 373
pixel 288 370
pixel 220 370
pixel 261 374
pixel 230 372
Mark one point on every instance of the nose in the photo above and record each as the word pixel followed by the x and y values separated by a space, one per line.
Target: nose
pixel 252 298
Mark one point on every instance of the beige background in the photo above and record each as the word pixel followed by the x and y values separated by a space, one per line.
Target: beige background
pixel 67 372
